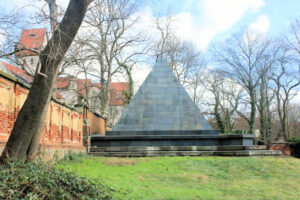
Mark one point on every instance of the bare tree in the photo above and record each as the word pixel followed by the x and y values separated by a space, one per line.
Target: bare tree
pixel 9 33
pixel 110 40
pixel 292 38
pixel 25 136
pixel 184 58
pixel 294 119
pixel 265 98
pixel 197 83
pixel 226 98
pixel 286 79
pixel 245 58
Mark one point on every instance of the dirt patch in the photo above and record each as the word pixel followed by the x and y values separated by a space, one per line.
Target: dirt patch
pixel 200 177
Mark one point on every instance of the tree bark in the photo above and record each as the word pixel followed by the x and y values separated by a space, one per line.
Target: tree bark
pixel 25 136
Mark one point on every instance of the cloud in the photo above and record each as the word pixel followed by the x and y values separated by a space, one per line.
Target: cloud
pixel 261 25
pixel 215 16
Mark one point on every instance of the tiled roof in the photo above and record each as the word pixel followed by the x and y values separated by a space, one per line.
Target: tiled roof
pixel 18 73
pixel 116 88
pixel 32 39
pixel 63 82
pixel 116 93
pixel 84 84
pixel 59 96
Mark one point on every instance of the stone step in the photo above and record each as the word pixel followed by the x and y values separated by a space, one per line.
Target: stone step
pixel 177 148
pixel 171 140
pixel 189 153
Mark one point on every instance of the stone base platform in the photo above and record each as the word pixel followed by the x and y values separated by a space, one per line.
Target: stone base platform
pixel 170 140
pixel 163 132
pixel 236 150
pixel 137 145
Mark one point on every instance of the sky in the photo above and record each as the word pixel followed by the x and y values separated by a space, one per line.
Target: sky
pixel 203 22
pixel 206 21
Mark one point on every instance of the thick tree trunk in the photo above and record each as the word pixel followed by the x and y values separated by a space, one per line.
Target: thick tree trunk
pixel 25 136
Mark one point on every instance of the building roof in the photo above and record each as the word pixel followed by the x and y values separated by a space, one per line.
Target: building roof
pixel 116 92
pixel 59 96
pixel 63 82
pixel 21 74
pixel 31 39
pixel 84 85
pixel 18 73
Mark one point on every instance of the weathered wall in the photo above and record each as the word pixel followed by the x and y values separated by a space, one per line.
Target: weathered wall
pixel 97 123
pixel 93 123
pixel 62 131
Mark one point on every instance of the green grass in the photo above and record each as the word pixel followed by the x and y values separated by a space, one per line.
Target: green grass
pixel 193 177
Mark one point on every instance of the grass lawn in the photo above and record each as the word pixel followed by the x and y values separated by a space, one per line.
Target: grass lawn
pixel 194 177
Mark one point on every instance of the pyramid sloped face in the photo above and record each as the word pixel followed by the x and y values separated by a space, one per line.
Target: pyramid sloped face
pixel 161 103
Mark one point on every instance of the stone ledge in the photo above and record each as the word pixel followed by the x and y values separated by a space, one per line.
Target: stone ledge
pixel 178 148
pixel 188 153
pixel 171 140
pixel 158 137
pixel 162 132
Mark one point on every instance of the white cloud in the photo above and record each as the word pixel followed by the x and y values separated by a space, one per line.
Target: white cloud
pixel 184 25
pixel 261 25
pixel 215 16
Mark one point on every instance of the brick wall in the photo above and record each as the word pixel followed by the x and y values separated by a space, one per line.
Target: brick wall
pixel 283 147
pixel 63 128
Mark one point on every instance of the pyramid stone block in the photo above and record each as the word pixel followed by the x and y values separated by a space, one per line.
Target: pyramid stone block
pixel 161 104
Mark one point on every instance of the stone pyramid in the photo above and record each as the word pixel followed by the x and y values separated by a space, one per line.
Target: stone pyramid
pixel 161 104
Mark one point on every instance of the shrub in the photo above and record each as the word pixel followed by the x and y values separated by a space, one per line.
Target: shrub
pixel 294 139
pixel 295 146
pixel 38 180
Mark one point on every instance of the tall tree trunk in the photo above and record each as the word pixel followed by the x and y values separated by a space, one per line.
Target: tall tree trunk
pixel 262 111
pixel 284 121
pixel 25 136
pixel 218 115
pixel 253 110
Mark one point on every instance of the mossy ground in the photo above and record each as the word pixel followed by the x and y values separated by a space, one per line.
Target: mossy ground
pixel 221 178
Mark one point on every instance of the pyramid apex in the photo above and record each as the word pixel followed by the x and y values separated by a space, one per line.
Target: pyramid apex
pixel 160 59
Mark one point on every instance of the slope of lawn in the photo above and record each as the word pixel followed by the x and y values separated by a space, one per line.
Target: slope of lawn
pixel 193 177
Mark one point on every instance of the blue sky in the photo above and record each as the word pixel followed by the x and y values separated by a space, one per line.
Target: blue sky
pixel 201 21
pixel 212 20
pixel 205 21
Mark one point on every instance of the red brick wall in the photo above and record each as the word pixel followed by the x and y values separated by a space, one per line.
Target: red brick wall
pixel 283 147
pixel 63 125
